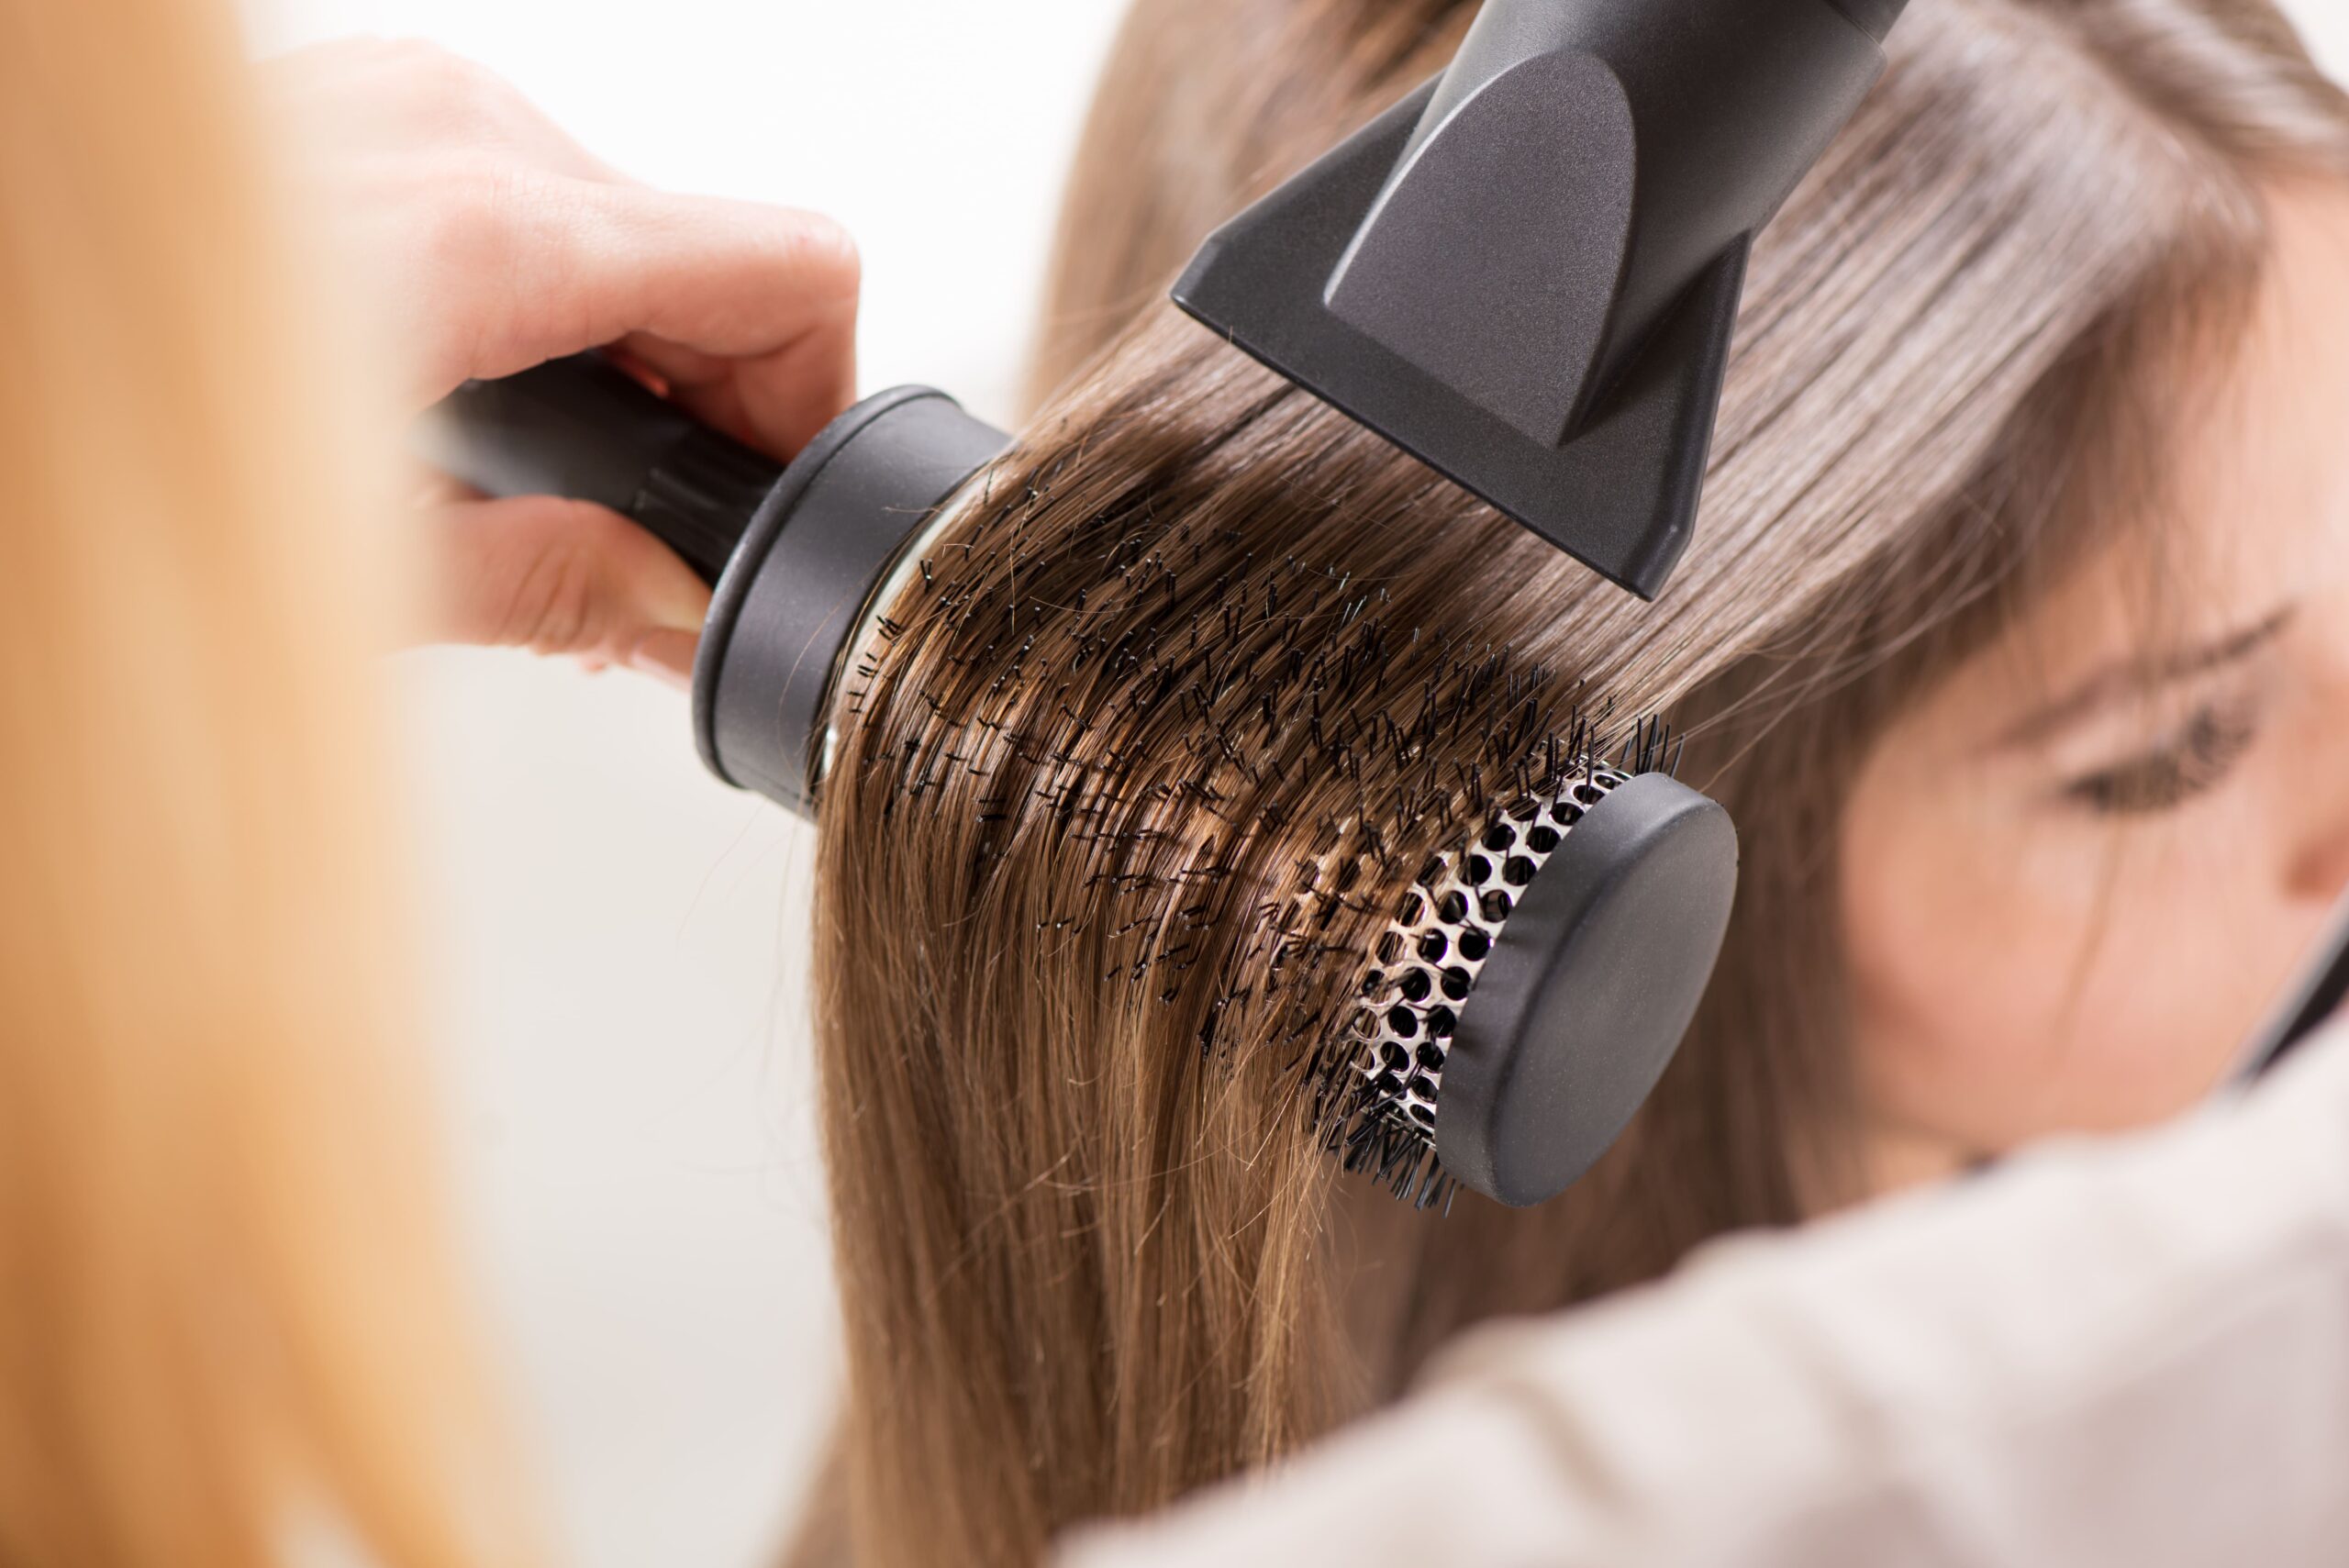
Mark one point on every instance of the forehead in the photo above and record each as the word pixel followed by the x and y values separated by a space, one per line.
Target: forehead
pixel 2254 486
pixel 2261 476
pixel 2256 476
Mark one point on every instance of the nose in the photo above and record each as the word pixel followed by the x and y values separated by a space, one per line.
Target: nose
pixel 2317 867
pixel 2319 871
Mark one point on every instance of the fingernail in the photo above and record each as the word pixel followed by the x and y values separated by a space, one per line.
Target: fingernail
pixel 666 656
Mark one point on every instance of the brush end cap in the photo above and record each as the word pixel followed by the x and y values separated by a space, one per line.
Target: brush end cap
pixel 815 553
pixel 1592 981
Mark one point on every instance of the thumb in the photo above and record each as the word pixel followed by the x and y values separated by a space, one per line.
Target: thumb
pixel 559 576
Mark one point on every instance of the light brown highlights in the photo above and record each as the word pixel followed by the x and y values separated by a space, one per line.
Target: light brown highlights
pixel 1206 675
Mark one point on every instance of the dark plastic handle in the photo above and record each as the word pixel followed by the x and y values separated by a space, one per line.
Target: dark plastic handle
pixel 585 429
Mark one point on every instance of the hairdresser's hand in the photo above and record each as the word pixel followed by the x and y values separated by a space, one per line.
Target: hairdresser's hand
pixel 498 243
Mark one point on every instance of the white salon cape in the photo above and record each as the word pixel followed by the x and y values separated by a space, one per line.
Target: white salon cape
pixel 2132 1352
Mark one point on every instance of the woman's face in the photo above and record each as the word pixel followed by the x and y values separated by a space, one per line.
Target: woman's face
pixel 2076 876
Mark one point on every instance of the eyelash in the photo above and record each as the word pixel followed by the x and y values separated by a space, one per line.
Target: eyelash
pixel 2197 762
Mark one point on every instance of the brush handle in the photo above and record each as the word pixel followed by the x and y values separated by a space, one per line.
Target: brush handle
pixel 583 429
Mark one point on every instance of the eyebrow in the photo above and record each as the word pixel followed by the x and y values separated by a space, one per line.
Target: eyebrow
pixel 2145 673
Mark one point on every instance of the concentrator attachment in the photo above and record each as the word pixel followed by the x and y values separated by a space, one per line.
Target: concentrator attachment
pixel 796 553
pixel 1527 273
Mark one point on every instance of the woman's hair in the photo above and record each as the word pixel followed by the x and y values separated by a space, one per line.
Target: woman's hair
pixel 228 1325
pixel 1203 673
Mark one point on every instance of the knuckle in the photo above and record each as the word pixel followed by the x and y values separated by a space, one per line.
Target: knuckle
pixel 498 247
pixel 413 68
pixel 468 228
pixel 465 98
pixel 411 53
pixel 451 95
pixel 352 50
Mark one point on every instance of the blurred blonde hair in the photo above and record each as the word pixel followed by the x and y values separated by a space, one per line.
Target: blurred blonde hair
pixel 227 1324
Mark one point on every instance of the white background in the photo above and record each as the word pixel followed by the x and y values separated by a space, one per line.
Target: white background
pixel 622 938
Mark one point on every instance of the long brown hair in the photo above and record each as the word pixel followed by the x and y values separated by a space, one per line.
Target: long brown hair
pixel 229 1330
pixel 1201 675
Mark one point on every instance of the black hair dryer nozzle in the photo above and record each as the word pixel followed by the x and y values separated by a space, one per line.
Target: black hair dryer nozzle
pixel 1527 273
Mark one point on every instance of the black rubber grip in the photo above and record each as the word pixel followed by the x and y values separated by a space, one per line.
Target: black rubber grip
pixel 585 429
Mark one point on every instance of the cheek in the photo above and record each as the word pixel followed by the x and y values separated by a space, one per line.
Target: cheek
pixel 2018 973
pixel 1939 1003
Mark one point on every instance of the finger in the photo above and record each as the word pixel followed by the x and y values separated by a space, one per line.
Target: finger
pixel 771 290
pixel 562 577
pixel 669 364
pixel 723 278
pixel 776 402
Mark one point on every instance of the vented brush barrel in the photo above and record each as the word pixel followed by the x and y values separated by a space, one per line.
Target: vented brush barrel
pixel 796 554
pixel 1534 986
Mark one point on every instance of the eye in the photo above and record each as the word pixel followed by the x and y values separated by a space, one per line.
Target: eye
pixel 2196 761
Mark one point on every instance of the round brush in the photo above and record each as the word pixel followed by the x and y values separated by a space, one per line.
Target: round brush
pixel 1527 992
pixel 1533 985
